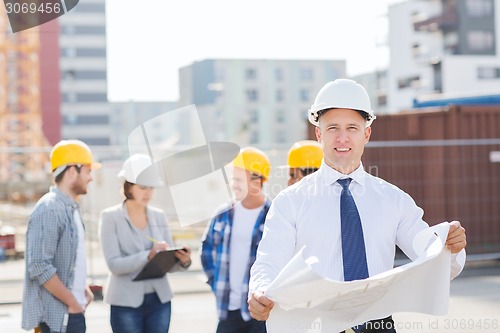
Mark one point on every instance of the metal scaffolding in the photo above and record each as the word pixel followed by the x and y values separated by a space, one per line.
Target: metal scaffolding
pixel 22 143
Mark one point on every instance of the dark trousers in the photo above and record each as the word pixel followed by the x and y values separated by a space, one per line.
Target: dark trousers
pixel 76 324
pixel 235 324
pixel 382 325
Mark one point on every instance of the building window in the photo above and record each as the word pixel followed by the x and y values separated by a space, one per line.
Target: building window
pixel 252 95
pixel 488 73
pixel 480 40
pixel 93 120
pixel 254 137
pixel 417 49
pixel 280 136
pixel 68 29
pixel 96 141
pixel 90 30
pixel 91 97
pixel 85 75
pixel 86 120
pixel 479 8
pixel 279 95
pixel 253 116
pixel 69 75
pixel 278 74
pixel 305 95
pixel 68 52
pixel 408 82
pixel 450 40
pixel 91 52
pixel 251 74
pixel 83 30
pixel 418 16
pixel 381 99
pixel 70 119
pixel 306 74
pixel 280 116
pixel 69 98
pixel 90 7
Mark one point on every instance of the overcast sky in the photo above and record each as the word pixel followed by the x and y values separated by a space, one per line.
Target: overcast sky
pixel 149 40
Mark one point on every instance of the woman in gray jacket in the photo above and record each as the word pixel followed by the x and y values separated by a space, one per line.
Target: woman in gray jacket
pixel 131 233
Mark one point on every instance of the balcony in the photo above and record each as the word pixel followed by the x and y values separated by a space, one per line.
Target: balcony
pixel 448 20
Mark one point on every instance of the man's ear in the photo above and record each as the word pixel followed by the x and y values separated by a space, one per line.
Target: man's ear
pixel 368 133
pixel 71 172
pixel 318 134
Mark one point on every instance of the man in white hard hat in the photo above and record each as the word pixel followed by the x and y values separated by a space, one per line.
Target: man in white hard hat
pixel 337 211
pixel 55 288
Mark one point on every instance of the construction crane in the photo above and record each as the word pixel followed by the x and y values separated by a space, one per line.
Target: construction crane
pixel 23 155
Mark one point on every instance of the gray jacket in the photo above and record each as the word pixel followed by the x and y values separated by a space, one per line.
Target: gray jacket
pixel 125 254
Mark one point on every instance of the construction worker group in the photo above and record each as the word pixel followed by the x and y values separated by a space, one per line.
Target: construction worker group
pixel 246 243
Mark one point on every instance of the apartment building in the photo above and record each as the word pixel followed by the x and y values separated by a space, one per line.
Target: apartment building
pixel 85 110
pixel 445 48
pixel 255 101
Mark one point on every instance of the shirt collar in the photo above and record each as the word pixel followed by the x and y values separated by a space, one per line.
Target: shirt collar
pixel 125 211
pixel 330 175
pixel 64 197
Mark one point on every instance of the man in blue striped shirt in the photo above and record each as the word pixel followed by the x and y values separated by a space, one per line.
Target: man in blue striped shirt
pixel 55 289
pixel 230 243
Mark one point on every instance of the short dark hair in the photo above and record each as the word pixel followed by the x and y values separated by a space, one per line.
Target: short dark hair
pixel 60 176
pixel 307 171
pixel 126 190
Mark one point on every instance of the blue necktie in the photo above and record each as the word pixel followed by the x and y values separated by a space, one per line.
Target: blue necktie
pixel 353 243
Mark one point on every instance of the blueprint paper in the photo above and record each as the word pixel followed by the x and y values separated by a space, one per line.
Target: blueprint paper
pixel 306 302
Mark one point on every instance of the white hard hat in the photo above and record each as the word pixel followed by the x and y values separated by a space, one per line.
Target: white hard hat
pixel 139 169
pixel 341 94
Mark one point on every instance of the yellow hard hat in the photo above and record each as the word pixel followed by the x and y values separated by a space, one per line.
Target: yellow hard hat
pixel 253 160
pixel 305 154
pixel 70 152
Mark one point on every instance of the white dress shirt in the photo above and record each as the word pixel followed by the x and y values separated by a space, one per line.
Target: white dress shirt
pixel 308 214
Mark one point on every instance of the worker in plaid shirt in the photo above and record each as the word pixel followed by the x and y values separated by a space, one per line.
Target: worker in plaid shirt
pixel 230 243
pixel 55 289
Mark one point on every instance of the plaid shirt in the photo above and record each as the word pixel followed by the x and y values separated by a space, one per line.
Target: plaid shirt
pixel 215 257
pixel 51 244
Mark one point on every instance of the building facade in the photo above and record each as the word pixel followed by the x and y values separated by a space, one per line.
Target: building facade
pixel 257 102
pixel 375 84
pixel 443 47
pixel 85 110
pixel 125 117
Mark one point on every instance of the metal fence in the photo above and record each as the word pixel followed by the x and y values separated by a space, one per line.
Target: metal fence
pixel 445 159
